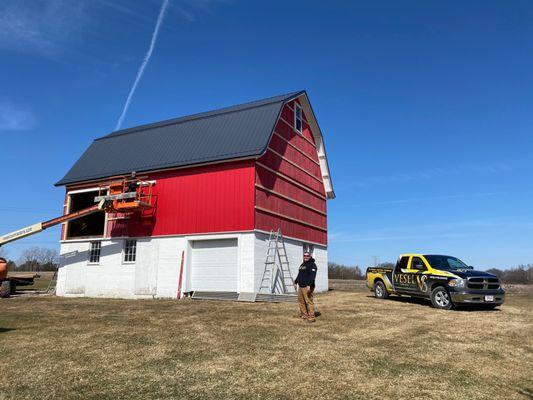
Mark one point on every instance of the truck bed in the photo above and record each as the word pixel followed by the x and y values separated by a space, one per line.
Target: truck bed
pixel 22 278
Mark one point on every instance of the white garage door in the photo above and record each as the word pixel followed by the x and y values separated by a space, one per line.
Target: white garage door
pixel 214 265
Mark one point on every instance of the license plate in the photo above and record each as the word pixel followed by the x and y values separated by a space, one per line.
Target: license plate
pixel 489 298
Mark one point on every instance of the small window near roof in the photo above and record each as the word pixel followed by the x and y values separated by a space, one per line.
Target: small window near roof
pixel 130 251
pixel 298 117
pixel 94 252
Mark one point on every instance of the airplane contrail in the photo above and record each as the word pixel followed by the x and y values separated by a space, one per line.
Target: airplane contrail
pixel 146 59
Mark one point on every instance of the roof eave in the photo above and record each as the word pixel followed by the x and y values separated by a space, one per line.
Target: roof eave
pixel 319 141
pixel 67 182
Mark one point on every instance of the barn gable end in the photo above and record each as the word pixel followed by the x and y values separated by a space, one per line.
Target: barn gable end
pixel 290 190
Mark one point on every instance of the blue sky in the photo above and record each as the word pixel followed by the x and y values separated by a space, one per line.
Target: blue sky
pixel 426 106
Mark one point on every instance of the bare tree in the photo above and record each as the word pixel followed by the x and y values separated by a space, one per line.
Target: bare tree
pixel 339 271
pixel 38 258
pixel 48 257
pixel 522 274
pixel 29 259
pixel 3 253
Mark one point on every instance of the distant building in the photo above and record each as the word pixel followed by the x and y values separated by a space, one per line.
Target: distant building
pixel 221 181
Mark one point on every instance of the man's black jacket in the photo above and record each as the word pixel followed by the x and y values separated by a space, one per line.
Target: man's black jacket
pixel 306 273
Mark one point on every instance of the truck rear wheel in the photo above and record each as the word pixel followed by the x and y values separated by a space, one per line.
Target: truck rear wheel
pixel 5 289
pixel 440 298
pixel 380 291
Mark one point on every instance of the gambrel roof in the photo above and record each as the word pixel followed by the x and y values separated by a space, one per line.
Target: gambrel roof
pixel 237 132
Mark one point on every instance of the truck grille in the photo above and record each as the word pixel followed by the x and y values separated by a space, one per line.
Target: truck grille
pixel 483 283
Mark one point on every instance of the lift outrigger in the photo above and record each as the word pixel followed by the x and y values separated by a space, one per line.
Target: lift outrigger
pixel 125 195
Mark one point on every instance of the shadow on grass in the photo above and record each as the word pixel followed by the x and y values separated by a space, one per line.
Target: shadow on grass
pixel 427 303
pixel 528 393
pixel 412 300
pixel 474 307
pixel 3 330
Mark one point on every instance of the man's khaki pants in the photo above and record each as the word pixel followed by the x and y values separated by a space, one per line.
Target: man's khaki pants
pixel 305 301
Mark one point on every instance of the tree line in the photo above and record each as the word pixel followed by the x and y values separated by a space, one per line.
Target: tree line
pixel 44 259
pixel 33 259
pixel 522 274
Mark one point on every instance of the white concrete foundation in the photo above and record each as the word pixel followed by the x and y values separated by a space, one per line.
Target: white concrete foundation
pixel 155 273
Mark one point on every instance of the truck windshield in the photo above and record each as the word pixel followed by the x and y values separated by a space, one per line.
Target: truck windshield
pixel 447 263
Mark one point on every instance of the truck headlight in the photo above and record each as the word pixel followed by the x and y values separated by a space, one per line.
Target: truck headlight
pixel 459 283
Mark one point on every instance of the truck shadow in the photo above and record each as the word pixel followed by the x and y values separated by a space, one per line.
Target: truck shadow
pixel 412 300
pixel 470 308
pixel 427 303
pixel 528 393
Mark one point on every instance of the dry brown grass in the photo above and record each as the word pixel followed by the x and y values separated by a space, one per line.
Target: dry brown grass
pixel 360 348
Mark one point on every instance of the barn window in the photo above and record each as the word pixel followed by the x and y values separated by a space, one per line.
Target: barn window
pixel 130 251
pixel 94 252
pixel 298 117
pixel 90 225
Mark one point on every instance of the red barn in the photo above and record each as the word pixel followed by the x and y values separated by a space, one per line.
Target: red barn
pixel 221 181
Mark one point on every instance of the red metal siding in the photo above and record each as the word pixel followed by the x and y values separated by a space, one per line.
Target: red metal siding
pixel 272 182
pixel 290 192
pixel 266 222
pixel 286 131
pixel 281 205
pixel 296 156
pixel 281 165
pixel 215 198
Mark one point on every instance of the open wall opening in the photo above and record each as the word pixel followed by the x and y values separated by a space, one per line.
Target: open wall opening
pixel 90 226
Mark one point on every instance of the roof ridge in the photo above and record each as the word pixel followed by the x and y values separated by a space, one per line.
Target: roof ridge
pixel 205 114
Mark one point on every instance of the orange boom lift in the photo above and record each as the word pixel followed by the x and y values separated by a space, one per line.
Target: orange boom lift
pixel 125 195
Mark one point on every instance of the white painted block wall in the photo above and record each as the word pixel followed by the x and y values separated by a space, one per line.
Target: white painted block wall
pixel 294 250
pixel 155 273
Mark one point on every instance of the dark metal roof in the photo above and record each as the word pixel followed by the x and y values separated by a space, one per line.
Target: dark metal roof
pixel 235 132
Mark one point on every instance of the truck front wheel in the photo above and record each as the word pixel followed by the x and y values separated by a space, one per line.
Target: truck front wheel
pixel 5 289
pixel 440 298
pixel 380 291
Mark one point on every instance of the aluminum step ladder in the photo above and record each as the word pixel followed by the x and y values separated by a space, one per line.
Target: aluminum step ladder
pixel 277 278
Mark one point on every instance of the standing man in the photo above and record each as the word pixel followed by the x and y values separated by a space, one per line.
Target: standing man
pixel 306 284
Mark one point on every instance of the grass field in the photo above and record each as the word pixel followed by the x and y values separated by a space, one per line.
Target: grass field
pixel 360 348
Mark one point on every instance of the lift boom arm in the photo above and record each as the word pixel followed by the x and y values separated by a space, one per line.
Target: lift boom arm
pixel 125 196
pixel 41 226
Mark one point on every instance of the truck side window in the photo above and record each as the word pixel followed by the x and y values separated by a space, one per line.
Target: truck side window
pixel 418 264
pixel 402 263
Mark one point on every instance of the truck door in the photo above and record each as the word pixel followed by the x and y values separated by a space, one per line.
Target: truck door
pixel 412 278
pixel 418 267
pixel 398 275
